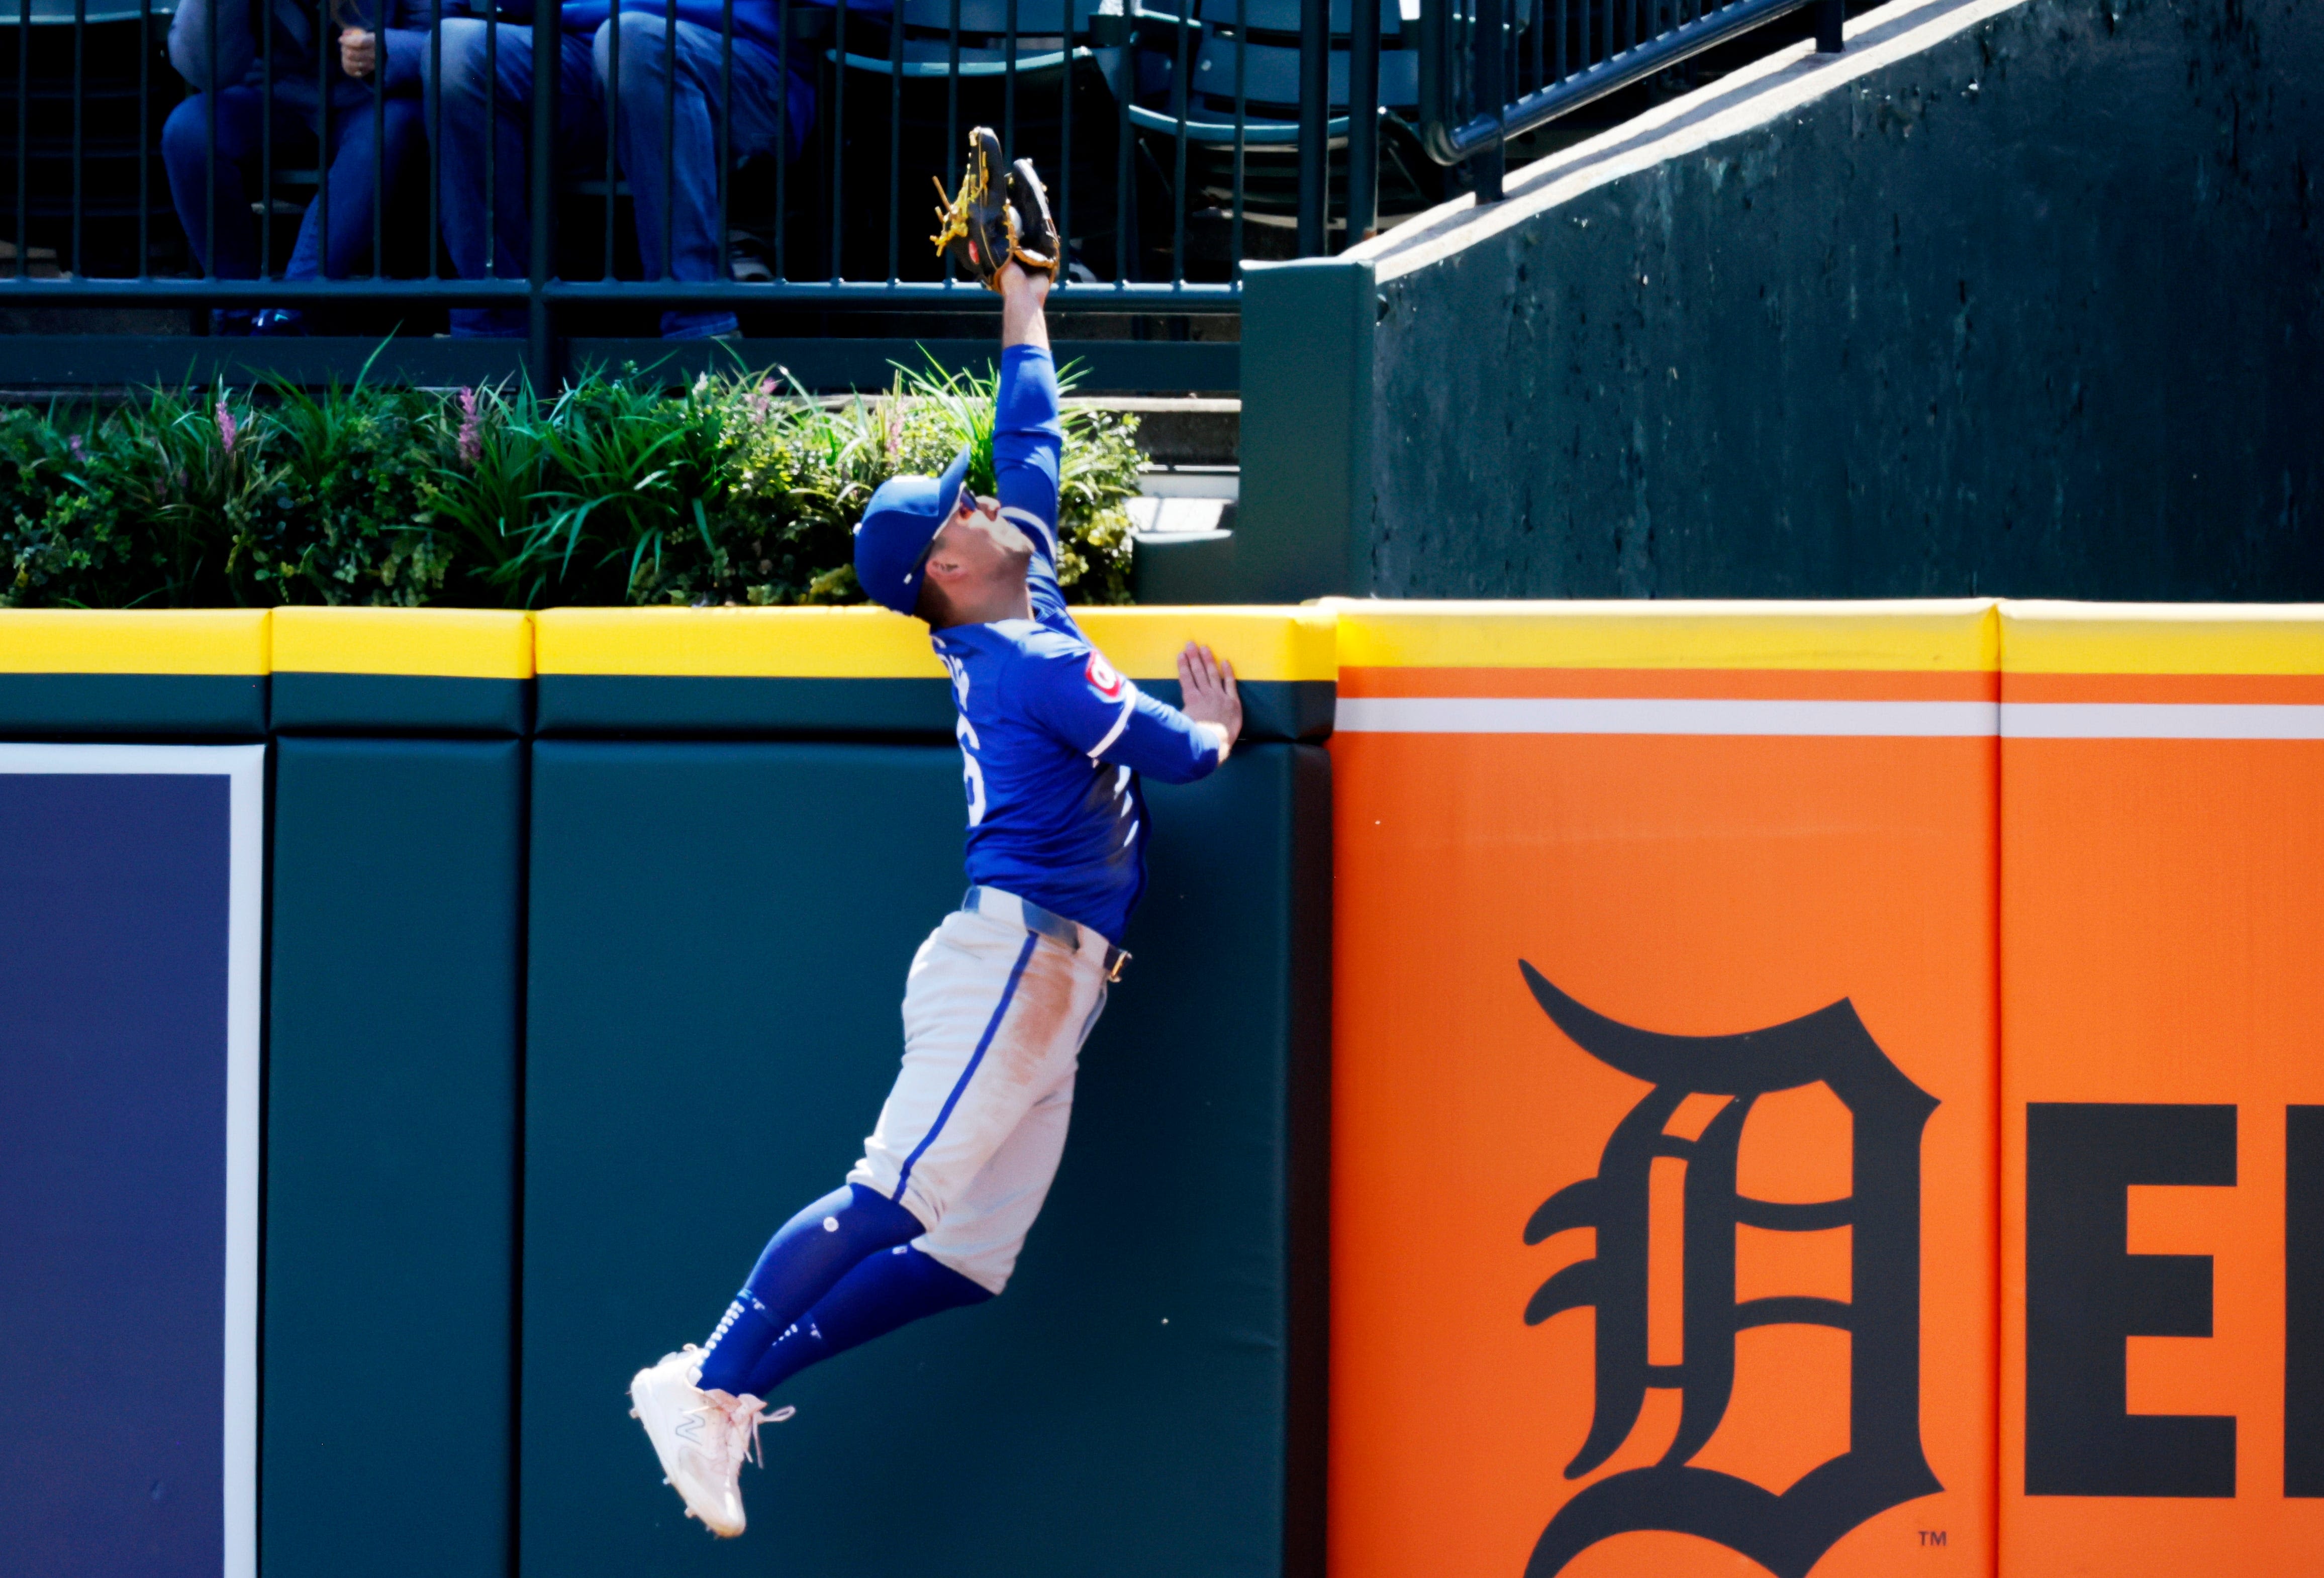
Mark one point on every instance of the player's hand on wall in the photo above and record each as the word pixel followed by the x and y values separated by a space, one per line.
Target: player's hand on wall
pixel 1206 681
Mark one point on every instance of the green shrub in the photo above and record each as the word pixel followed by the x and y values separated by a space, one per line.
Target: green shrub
pixel 736 489
pixel 484 493
pixel 65 537
pixel 341 511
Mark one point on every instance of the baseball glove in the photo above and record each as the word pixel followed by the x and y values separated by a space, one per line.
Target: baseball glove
pixel 997 217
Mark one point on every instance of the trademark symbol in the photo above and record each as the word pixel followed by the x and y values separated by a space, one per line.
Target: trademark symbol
pixel 1932 1537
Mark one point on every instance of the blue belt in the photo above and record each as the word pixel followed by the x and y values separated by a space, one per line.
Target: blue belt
pixel 1074 936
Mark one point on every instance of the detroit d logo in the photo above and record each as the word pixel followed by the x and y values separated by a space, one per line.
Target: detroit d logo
pixel 1884 1465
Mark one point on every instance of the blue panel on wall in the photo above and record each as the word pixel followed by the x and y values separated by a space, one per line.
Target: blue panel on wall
pixel 124 1314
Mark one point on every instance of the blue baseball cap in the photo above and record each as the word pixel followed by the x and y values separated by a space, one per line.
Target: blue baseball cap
pixel 899 523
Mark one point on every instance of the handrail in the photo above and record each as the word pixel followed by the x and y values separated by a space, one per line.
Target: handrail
pixel 1450 139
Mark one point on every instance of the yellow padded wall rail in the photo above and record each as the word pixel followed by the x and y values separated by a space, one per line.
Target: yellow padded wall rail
pixel 1311 643
pixel 871 644
pixel 467 643
pixel 2154 638
pixel 1958 636
pixel 76 641
pixel 808 643
pixel 1263 643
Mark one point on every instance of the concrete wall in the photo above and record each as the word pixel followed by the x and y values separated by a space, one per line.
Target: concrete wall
pixel 2021 297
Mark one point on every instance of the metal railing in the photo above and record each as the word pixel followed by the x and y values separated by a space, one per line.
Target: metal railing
pixel 537 171
pixel 1555 56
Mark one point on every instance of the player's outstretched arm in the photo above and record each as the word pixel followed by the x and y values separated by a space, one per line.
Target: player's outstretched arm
pixel 1023 298
pixel 1078 698
pixel 1027 434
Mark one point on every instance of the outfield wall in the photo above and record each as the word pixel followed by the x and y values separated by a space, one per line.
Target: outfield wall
pixel 1830 1085
pixel 586 938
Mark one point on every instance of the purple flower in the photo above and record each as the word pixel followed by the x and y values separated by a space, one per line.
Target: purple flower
pixel 74 445
pixel 471 443
pixel 226 426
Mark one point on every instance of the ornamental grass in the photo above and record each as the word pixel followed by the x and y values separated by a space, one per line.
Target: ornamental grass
pixel 739 489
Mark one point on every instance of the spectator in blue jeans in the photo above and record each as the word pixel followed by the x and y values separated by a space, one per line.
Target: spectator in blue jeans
pixel 769 115
pixel 220 32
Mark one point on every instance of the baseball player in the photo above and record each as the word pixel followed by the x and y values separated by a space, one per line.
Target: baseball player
pixel 1004 991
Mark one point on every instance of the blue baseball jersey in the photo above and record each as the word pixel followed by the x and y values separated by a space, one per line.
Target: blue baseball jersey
pixel 1052 739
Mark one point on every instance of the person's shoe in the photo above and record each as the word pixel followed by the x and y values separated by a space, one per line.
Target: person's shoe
pixel 702 1437
pixel 231 321
pixel 278 321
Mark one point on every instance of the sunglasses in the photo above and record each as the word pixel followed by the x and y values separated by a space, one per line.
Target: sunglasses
pixel 967 501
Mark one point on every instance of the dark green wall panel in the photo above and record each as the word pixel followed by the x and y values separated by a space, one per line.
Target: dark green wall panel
pixel 1302 523
pixel 428 704
pixel 392 1133
pixel 719 937
pixel 644 707
pixel 1272 709
pixel 111 705
pixel 648 705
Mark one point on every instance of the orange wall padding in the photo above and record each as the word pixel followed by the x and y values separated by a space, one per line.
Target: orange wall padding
pixel 2163 1016
pixel 1851 899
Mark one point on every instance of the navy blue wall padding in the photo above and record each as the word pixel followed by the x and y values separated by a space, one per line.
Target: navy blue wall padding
pixel 718 940
pixel 392 1170
pixel 112 1071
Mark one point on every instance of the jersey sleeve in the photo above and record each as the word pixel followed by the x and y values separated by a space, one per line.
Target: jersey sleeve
pixel 1027 441
pixel 1162 742
pixel 1076 695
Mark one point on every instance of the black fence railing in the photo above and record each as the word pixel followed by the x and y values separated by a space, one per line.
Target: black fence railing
pixel 540 175
pixel 1557 55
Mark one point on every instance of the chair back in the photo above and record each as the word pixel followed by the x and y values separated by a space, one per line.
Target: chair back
pixel 990 18
pixel 1281 17
pixel 1271 77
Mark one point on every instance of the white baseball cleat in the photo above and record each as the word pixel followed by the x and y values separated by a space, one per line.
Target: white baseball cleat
pixel 702 1437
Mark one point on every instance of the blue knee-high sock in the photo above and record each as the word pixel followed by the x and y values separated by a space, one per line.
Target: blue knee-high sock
pixel 798 1266
pixel 881 1294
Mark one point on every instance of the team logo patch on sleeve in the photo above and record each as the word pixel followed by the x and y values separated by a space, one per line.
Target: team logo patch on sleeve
pixel 1102 678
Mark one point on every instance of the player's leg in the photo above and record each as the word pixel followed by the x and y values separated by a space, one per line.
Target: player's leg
pixel 697 1407
pixel 799 1265
pixel 993 1020
pixel 990 1022
pixel 967 1261
pixel 882 1294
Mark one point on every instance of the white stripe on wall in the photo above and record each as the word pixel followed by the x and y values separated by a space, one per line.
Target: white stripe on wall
pixel 2140 720
pixel 2016 720
pixel 1400 714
